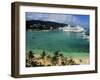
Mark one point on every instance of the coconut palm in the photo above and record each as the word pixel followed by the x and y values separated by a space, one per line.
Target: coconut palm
pixel 31 54
pixel 56 53
pixel 43 54
pixel 55 58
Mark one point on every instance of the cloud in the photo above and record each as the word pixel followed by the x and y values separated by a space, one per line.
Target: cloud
pixel 61 18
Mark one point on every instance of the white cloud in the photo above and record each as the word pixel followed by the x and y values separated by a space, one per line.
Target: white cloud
pixel 61 18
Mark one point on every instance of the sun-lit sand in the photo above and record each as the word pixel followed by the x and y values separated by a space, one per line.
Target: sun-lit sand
pixel 43 59
pixel 82 60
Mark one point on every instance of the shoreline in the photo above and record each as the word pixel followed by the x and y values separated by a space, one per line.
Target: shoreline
pixel 57 59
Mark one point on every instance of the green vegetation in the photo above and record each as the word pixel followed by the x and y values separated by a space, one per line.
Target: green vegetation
pixel 58 59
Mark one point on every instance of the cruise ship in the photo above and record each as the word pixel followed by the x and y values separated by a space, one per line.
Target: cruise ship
pixel 72 29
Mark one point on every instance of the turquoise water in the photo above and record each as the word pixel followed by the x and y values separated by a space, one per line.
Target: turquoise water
pixel 68 43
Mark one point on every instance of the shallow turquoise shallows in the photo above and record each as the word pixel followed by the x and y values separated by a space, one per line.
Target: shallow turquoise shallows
pixel 68 43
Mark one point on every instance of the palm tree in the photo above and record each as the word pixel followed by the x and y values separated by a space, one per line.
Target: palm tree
pixel 43 54
pixel 56 53
pixel 63 62
pixel 49 59
pixel 55 58
pixel 31 54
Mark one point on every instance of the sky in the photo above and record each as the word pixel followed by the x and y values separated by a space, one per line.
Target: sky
pixel 72 19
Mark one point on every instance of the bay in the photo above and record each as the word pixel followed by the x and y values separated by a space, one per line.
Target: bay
pixel 68 43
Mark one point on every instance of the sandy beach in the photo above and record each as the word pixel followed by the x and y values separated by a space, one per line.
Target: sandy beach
pixel 58 59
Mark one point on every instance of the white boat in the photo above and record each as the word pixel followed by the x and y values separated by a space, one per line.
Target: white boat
pixel 72 29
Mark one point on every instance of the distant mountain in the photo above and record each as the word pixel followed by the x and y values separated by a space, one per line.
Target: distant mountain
pixel 43 25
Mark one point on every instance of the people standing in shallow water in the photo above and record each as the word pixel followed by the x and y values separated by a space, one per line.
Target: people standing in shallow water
pixel 44 59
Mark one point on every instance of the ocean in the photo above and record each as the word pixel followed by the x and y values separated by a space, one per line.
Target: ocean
pixel 68 43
